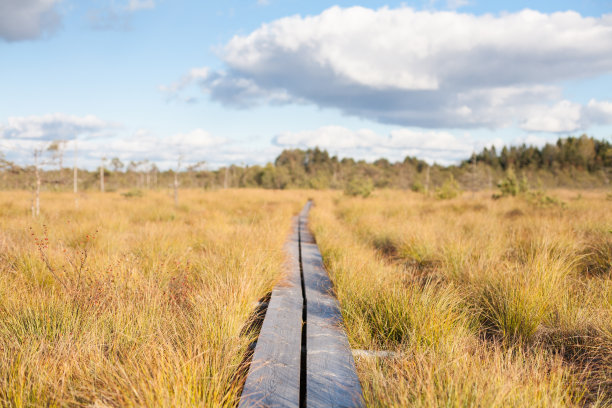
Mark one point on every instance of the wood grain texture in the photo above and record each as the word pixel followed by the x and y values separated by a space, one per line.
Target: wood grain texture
pixel 331 378
pixel 274 375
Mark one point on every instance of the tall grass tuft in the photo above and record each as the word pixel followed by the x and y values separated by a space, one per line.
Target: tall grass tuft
pixel 481 302
pixel 148 311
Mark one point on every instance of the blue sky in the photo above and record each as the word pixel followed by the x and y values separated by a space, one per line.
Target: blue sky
pixel 238 81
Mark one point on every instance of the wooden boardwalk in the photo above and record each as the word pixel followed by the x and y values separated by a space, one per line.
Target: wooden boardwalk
pixel 302 357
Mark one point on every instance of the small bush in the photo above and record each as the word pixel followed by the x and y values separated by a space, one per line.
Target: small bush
pixel 417 187
pixel 359 187
pixel 511 186
pixel 540 199
pixel 450 189
pixel 133 193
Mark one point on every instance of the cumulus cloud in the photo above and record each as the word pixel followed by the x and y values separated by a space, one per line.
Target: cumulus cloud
pixel 97 138
pixel 238 92
pixel 194 146
pixel 564 116
pixel 599 111
pixel 28 19
pixel 56 126
pixel 193 142
pixel 417 68
pixel 439 146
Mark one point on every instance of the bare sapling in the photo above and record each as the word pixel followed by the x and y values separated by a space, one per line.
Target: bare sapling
pixel 56 148
pixel 474 181
pixel 102 174
pixel 36 201
pixel 75 178
pixel 154 170
pixel 176 182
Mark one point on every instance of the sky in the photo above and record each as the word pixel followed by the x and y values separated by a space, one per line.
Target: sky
pixel 236 82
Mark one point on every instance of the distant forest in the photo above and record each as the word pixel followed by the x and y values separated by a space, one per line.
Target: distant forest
pixel 574 162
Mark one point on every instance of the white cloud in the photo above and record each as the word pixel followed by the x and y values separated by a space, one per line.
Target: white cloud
pixel 531 139
pixel 135 5
pixel 173 91
pixel 329 138
pixel 234 91
pixel 96 138
pixel 195 145
pixel 28 19
pixel 417 68
pixel 56 126
pixel 599 111
pixel 192 142
pixel 564 116
pixel 439 146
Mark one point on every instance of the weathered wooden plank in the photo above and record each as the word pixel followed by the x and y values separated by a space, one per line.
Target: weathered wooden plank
pixel 274 375
pixel 331 378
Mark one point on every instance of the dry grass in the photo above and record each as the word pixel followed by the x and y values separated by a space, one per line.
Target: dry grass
pixel 149 310
pixel 487 302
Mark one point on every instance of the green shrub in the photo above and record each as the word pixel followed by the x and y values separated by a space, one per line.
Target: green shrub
pixel 133 193
pixel 511 185
pixel 417 187
pixel 540 199
pixel 359 187
pixel 450 189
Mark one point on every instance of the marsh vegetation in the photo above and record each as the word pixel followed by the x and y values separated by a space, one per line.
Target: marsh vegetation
pixel 482 302
pixel 130 300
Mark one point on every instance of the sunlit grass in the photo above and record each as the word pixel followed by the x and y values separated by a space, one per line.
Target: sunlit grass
pixel 156 315
pixel 485 302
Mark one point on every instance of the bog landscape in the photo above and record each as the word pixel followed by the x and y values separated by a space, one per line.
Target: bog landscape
pixel 294 255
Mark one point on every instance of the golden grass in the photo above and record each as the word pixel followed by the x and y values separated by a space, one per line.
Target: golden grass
pixel 487 302
pixel 156 316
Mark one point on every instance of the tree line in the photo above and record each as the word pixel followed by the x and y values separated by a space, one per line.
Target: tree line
pixel 570 162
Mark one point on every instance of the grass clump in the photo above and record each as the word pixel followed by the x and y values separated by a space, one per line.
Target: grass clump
pixel 148 311
pixel 449 189
pixel 595 258
pixel 133 193
pixel 511 186
pixel 508 305
pixel 359 187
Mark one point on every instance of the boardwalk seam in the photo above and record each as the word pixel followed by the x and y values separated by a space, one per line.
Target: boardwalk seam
pixel 304 325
